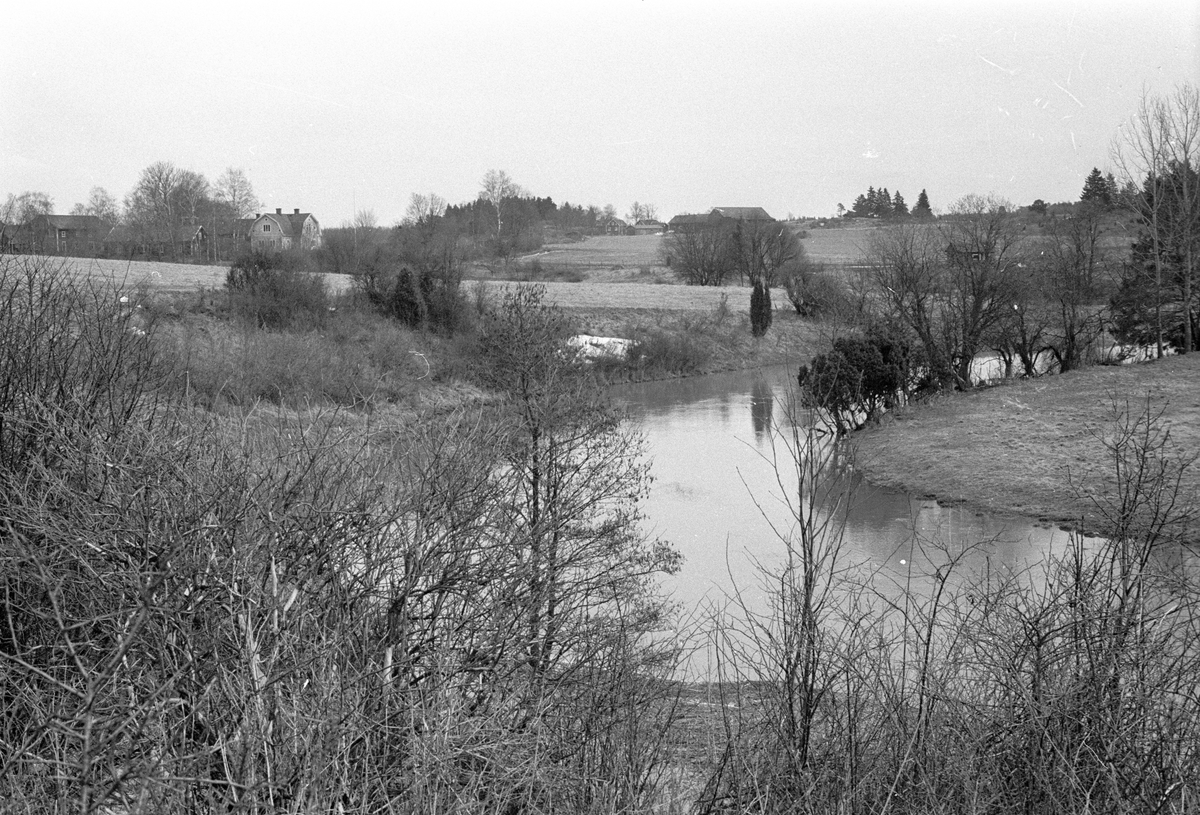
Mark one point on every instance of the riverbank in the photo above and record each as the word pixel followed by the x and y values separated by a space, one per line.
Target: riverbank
pixel 1035 448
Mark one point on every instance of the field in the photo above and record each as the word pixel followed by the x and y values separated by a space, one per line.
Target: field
pixel 843 244
pixel 625 255
pixel 1034 448
pixel 603 253
pixel 170 277
pixel 599 291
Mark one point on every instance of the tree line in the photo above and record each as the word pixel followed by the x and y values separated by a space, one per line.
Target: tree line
pixel 880 203
pixel 159 216
pixel 929 298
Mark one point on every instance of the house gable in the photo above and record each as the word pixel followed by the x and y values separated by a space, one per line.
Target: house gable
pixel 278 231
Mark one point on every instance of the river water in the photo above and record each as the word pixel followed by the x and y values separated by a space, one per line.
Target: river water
pixel 718 497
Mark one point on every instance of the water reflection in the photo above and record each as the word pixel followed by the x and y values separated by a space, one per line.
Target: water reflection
pixel 762 407
pixel 724 491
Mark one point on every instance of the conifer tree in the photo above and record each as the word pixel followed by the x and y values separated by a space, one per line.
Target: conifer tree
pixel 1096 189
pixel 899 207
pixel 922 209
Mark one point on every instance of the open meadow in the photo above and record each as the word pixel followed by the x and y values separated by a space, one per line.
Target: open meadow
pixel 1036 447
pixel 166 277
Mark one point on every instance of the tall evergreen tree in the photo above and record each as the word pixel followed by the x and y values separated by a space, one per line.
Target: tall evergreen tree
pixel 1097 190
pixel 899 207
pixel 922 209
pixel 883 204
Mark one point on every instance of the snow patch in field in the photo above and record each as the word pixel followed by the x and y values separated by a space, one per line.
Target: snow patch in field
pixel 591 348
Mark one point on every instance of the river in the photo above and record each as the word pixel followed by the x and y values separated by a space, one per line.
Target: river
pixel 717 498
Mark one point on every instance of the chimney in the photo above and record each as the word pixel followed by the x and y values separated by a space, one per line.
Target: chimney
pixel 296 210
pixel 278 210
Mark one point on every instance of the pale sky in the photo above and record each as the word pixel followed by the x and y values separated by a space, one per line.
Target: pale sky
pixel 794 107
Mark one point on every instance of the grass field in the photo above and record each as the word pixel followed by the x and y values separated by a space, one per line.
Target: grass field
pixel 1034 448
pixel 843 244
pixel 604 253
pixel 170 277
pixel 630 253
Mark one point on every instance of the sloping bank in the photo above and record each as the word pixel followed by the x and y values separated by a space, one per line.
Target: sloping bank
pixel 1039 448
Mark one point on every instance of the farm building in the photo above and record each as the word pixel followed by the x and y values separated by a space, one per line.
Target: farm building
pixel 276 232
pixel 64 234
pixel 717 216
pixel 184 241
pixel 614 226
pixel 649 227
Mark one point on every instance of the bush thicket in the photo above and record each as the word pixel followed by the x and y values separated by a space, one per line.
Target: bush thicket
pixel 272 290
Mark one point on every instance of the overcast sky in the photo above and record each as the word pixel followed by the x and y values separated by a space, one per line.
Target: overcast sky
pixel 794 107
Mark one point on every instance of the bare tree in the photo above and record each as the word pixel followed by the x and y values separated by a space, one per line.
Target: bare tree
pixel 100 204
pixel 234 191
pixel 365 219
pixel 423 209
pixel 23 208
pixel 950 284
pixel 1182 183
pixel 701 256
pixel 983 252
pixel 496 188
pixel 1073 268
pixel 1156 134
pixel 641 212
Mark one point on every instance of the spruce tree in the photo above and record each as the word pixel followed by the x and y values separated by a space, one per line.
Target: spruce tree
pixel 1097 190
pixel 922 209
pixel 883 205
pixel 899 207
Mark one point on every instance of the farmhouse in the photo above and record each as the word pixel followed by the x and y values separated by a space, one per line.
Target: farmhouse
pixel 649 226
pixel 276 232
pixel 184 241
pixel 65 234
pixel 614 226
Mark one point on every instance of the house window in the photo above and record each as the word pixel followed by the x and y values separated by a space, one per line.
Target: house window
pixel 266 227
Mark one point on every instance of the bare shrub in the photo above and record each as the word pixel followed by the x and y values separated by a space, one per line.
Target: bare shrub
pixel 271 290
pixel 1066 690
pixel 207 615
pixel 358 359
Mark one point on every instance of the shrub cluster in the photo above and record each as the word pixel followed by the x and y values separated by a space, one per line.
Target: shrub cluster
pixel 418 299
pixel 272 290
pixel 862 377
pixel 206 615
pixel 1070 690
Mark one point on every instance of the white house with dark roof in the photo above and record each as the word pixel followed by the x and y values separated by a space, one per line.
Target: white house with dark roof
pixel 277 232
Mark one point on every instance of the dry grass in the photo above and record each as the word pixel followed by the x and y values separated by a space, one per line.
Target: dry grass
pixel 843 244
pixel 599 295
pixel 1029 448
pixel 166 276
pixel 605 252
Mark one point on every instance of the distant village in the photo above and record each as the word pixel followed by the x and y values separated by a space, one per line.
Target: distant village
pixel 90 236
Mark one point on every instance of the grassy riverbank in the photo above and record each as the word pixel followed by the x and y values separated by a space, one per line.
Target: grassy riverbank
pixel 1034 448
